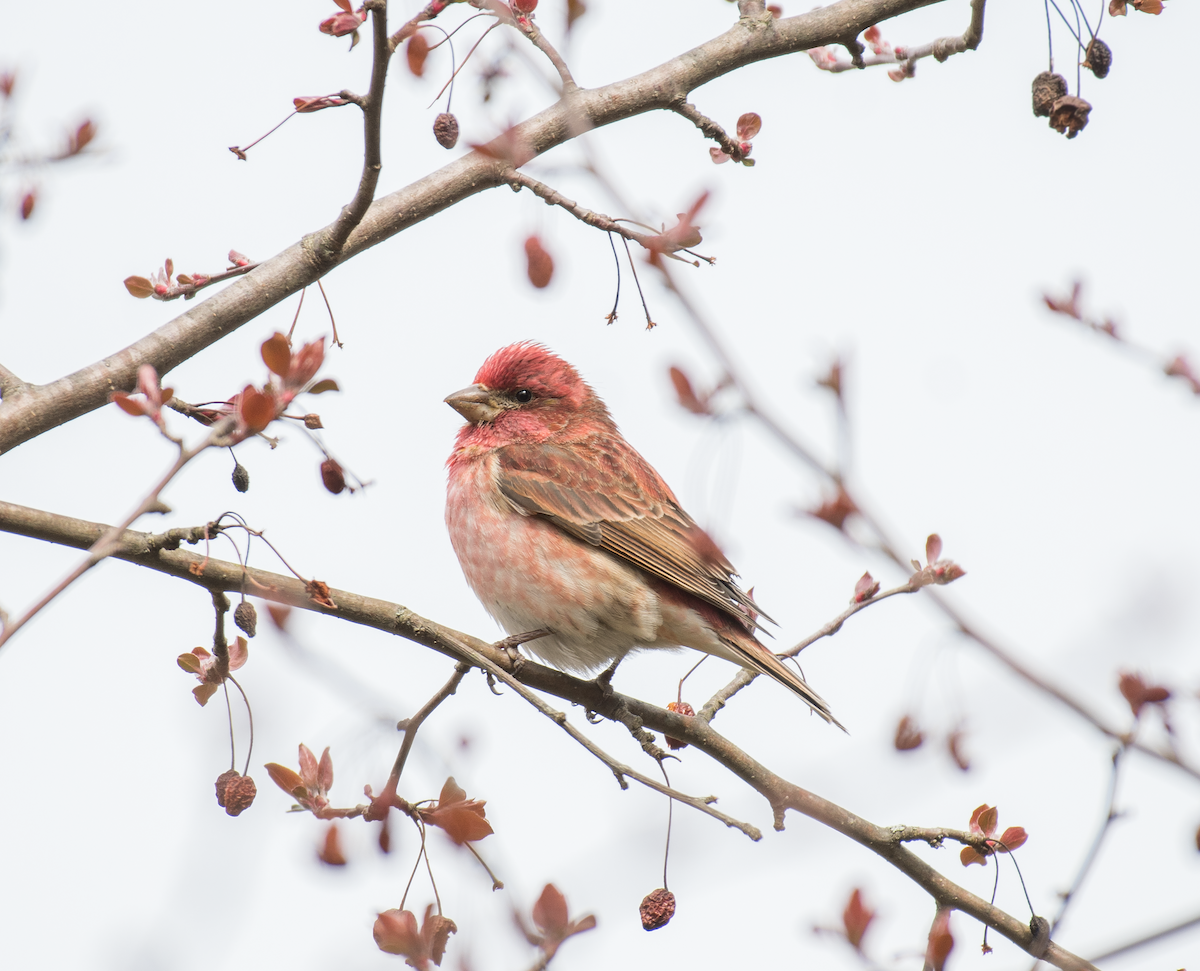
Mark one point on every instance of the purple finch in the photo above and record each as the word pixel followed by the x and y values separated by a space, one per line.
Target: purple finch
pixel 560 525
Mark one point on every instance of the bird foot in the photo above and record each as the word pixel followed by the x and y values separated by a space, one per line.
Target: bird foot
pixel 604 679
pixel 509 645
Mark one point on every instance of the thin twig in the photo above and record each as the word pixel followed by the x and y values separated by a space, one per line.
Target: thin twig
pixel 746 676
pixel 329 248
pixel 710 129
pixel 704 804
pixel 412 724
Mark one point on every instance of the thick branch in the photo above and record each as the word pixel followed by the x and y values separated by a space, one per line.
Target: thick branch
pixel 154 552
pixel 751 39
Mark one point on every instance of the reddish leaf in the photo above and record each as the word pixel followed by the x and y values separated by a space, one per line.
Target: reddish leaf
pixel 461 818
pixel 279 615
pixel 8 80
pixel 326 384
pixel 129 405
pixel 987 820
pixel 203 692
pixel 908 735
pixel 1013 837
pixel 687 396
pixel 396 932
pixel 954 743
pixel 330 852
pixel 941 942
pixel 933 548
pixel 277 354
pixel 866 588
pixel 416 51
pixel 969 855
pixel 306 105
pixel 238 259
pixel 325 771
pixel 1148 6
pixel 856 918
pixel 748 125
pixel 78 140
pixel 308 767
pixel 139 286
pixel 1116 8
pixel 27 203
pixel 835 511
pixel 1139 694
pixel 718 157
pixel 550 911
pixel 575 10
pixel 540 265
pixel 256 410
pixel 287 779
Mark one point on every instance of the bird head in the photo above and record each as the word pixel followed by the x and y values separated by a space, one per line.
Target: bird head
pixel 525 392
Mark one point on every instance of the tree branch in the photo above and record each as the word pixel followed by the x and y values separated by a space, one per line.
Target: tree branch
pixel 160 552
pixel 330 243
pixel 750 40
pixel 710 129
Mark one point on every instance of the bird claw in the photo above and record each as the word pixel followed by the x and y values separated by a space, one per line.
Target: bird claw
pixel 603 680
pixel 509 645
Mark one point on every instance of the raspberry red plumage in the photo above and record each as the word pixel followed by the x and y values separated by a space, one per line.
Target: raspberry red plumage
pixel 560 524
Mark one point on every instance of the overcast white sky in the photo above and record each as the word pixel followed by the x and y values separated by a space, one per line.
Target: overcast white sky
pixel 910 228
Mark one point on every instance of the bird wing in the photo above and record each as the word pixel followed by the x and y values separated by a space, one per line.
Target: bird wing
pixel 603 492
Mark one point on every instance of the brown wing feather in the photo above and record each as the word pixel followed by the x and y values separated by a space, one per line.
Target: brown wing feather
pixel 604 493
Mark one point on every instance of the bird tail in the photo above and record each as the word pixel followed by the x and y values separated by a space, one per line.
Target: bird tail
pixel 757 658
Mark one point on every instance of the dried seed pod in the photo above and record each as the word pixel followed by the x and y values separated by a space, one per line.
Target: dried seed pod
pixel 239 794
pixel 246 617
pixel 222 782
pixel 313 420
pixel 445 129
pixel 332 476
pixel 1069 115
pixel 657 909
pixel 241 478
pixel 1047 89
pixel 1099 58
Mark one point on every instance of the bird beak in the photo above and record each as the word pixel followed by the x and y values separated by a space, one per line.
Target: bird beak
pixel 475 404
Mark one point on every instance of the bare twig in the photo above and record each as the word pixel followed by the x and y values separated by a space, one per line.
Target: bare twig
pixel 710 129
pixel 109 542
pixel 597 220
pixel 1149 938
pixel 410 725
pixel 745 676
pixel 1110 814
pixel 410 28
pixel 333 240
pixel 941 49
pixel 527 27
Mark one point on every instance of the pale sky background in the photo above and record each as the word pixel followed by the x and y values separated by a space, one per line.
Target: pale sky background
pixel 910 228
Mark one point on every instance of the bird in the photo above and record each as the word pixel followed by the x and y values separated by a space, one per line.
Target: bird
pixel 560 525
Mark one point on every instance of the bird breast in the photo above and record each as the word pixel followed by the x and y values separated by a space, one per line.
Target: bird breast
pixel 529 574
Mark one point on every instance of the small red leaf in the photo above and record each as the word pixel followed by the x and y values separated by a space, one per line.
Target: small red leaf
pixel 540 265
pixel 933 548
pixel 748 125
pixel 330 852
pixel 908 735
pixel 139 286
pixel 856 918
pixel 416 51
pixel 277 354
pixel 27 203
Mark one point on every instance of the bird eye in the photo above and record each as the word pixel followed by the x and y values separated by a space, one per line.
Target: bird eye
pixel 524 395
